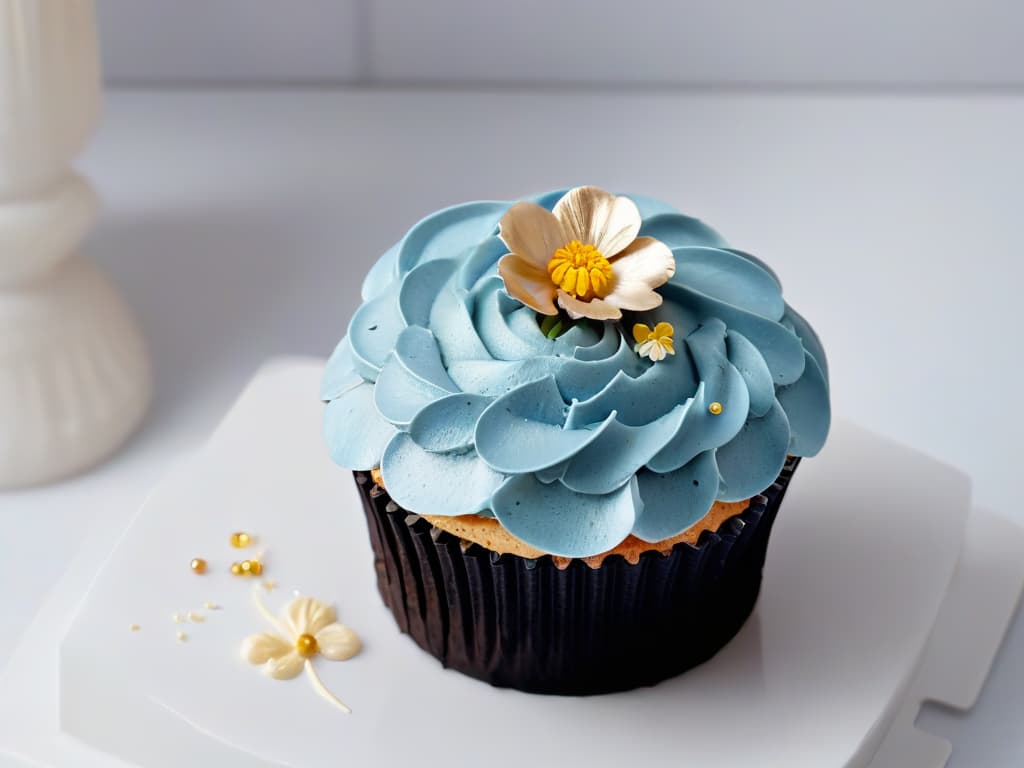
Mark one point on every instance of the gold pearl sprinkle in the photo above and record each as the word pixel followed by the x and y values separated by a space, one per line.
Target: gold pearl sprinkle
pixel 247 568
pixel 198 565
pixel 306 646
pixel 715 408
pixel 240 540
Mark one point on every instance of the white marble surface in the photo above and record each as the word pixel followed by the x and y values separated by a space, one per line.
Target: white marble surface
pixel 239 225
pixel 849 626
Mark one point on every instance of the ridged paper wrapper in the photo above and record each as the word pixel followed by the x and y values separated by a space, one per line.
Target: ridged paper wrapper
pixel 528 624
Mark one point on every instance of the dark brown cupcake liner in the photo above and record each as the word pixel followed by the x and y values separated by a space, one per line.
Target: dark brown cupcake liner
pixel 521 623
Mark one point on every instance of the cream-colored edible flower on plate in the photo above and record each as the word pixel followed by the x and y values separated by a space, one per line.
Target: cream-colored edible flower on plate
pixel 309 630
pixel 654 343
pixel 585 255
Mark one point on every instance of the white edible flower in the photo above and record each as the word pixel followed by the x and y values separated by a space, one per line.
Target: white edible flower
pixel 585 255
pixel 309 629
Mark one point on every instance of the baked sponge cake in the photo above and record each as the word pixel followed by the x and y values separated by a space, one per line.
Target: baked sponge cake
pixel 572 420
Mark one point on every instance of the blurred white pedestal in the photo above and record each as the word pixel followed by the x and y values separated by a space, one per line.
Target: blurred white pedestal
pixel 856 624
pixel 74 376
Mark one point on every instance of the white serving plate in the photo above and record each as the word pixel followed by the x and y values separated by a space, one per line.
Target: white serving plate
pixel 831 665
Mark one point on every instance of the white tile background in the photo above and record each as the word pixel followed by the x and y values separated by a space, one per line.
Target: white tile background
pixel 851 42
pixel 228 41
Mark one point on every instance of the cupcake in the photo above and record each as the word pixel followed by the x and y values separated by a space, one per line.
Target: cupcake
pixel 572 420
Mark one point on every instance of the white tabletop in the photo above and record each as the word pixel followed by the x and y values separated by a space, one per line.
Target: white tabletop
pixel 239 225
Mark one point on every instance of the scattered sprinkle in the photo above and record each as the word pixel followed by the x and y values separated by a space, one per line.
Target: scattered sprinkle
pixel 134 627
pixel 182 637
pixel 269 584
pixel 196 618
pixel 240 540
pixel 177 618
pixel 211 606
pixel 198 565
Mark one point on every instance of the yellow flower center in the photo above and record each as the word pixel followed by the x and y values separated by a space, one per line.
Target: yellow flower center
pixel 581 271
pixel 306 646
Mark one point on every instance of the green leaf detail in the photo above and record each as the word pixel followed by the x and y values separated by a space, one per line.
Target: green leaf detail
pixel 547 324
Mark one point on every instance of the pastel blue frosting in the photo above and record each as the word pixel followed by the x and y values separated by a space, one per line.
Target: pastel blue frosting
pixel 447 383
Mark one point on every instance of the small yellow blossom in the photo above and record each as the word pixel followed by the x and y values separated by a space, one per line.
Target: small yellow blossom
pixel 655 344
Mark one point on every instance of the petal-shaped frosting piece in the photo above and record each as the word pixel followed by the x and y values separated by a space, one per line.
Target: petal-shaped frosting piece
pixel 532 233
pixel 398 395
pixel 779 346
pixel 496 377
pixel 596 217
pixel 807 407
pixel 729 277
pixel 382 274
pixel 795 322
pixel 552 473
pixel 758 262
pixel 337 642
pixel 307 615
pixel 264 646
pixel 752 460
pixel 494 309
pixel 674 501
pixel 420 289
pixel 561 522
pixel 437 483
pixel 483 262
pixel 522 431
pixel 583 379
pixel 340 374
pixel 721 383
pixel 640 400
pixel 285 667
pixel 356 433
pixel 754 370
pixel 607 344
pixel 454 329
pixel 449 234
pixel 417 351
pixel 372 333
pixel 614 457
pixel 675 229
pixel 448 424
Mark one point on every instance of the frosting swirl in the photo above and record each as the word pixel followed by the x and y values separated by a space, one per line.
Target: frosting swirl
pixel 448 384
